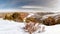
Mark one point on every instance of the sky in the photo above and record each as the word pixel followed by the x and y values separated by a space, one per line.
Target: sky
pixel 53 5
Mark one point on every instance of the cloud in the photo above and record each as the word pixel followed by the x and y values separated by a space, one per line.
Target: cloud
pixel 18 4
pixel 46 4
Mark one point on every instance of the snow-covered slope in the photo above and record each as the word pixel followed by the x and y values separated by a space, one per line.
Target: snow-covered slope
pixel 11 27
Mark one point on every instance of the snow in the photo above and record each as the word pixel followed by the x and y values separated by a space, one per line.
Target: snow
pixel 11 27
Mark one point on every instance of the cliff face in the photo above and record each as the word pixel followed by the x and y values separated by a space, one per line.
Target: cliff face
pixel 16 16
pixel 41 17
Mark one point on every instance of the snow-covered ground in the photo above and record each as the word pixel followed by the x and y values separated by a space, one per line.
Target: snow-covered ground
pixel 11 27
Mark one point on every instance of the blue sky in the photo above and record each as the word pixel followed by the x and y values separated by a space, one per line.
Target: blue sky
pixel 13 3
pixel 18 4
